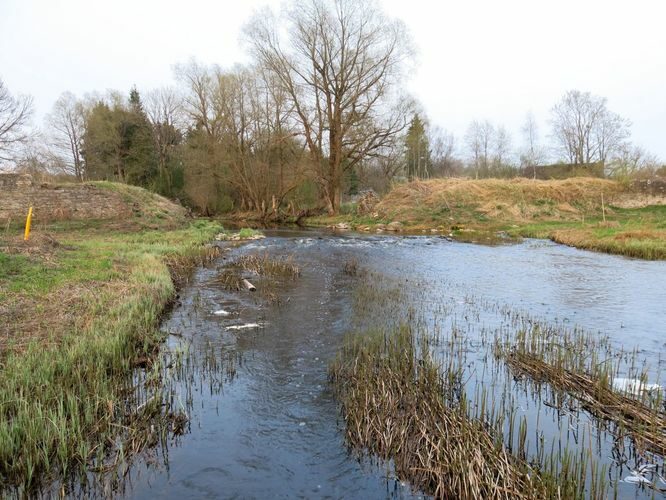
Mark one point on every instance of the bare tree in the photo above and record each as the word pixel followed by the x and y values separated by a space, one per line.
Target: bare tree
pixel 501 147
pixel 164 110
pixel 66 126
pixel 263 157
pixel 443 147
pixel 204 170
pixel 533 153
pixel 630 160
pixel 390 163
pixel 164 105
pixel 474 148
pixel 340 64
pixel 585 130
pixel 242 120
pixel 198 106
pixel 479 139
pixel 610 135
pixel 15 114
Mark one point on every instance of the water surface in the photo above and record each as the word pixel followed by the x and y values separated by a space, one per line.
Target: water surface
pixel 273 428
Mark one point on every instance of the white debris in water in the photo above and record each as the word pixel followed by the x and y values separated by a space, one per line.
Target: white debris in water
pixel 221 312
pixel 634 386
pixel 247 326
pixel 301 424
pixel 637 478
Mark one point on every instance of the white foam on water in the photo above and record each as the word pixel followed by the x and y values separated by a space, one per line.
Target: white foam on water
pixel 634 386
pixel 247 326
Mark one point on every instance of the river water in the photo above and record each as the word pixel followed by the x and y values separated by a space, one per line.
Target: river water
pixel 269 427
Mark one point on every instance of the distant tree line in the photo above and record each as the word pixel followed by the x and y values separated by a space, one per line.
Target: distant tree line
pixel 319 114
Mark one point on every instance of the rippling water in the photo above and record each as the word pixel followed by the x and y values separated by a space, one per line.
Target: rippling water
pixel 274 430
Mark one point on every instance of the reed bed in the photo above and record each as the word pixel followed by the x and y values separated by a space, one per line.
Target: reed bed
pixel 270 270
pixel 393 400
pixel 230 280
pixel 262 264
pixel 560 448
pixel 646 425
pixel 585 366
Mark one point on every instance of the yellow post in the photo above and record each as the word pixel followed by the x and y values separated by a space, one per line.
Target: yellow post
pixel 28 221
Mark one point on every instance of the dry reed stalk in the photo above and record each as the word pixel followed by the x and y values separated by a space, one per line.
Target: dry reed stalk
pixel 647 426
pixel 265 265
pixel 181 267
pixel 393 402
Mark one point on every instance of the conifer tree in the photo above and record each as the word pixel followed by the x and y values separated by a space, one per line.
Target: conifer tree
pixel 417 150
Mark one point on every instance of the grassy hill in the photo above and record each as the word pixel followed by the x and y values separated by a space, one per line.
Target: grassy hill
pixel 147 207
pixel 471 201
pixel 589 213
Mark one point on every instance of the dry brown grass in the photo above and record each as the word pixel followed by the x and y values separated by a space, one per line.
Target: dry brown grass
pixel 40 245
pixel 27 319
pixel 495 198
pixel 181 267
pixel 642 243
pixel 640 235
pixel 635 199
pixel 270 269
pixel 263 264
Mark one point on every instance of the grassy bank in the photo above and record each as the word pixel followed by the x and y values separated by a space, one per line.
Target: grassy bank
pixel 581 212
pixel 80 304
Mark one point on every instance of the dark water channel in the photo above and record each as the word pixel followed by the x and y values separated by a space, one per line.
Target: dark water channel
pixel 264 422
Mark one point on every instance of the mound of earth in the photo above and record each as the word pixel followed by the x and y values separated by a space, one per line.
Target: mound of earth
pixel 514 199
pixel 111 202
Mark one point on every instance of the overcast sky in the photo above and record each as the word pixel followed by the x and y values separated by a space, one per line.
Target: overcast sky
pixel 483 59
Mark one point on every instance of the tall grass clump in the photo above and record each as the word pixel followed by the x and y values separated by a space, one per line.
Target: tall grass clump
pixel 62 408
pixel 396 402
pixel 262 264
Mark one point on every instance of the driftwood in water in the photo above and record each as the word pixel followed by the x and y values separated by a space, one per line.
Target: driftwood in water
pixel 249 285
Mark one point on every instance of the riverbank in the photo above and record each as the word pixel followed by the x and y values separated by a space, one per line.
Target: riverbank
pixel 81 302
pixel 593 214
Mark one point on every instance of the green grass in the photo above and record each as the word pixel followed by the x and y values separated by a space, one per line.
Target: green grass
pixel 637 232
pixel 15 266
pixel 65 393
pixel 353 219
pixel 247 232
pixel 31 277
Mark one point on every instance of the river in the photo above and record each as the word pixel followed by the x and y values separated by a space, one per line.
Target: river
pixel 270 427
